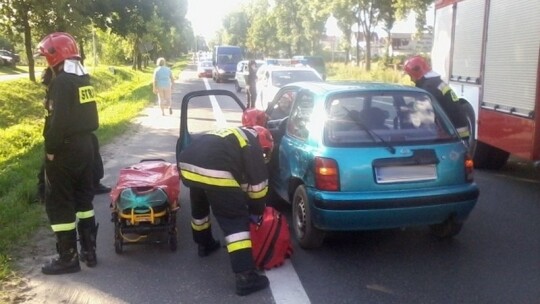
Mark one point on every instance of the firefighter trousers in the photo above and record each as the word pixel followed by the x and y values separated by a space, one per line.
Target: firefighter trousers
pixel 231 212
pixel 69 185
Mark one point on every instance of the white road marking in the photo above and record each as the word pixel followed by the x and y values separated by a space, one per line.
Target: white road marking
pixel 286 286
pixel 221 122
pixel 284 282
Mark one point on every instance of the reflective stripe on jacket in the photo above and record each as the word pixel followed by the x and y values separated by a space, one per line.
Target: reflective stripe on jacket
pixel 226 158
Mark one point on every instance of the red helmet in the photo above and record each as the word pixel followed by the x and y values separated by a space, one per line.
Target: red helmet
pixel 254 117
pixel 416 67
pixel 265 140
pixel 57 47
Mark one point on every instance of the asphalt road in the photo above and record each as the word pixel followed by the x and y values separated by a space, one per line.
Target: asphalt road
pixel 495 259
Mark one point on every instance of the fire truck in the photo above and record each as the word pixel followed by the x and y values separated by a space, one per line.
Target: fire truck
pixel 488 51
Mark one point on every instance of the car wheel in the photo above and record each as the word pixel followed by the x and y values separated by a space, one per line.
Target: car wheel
pixel 237 87
pixel 446 229
pixel 308 236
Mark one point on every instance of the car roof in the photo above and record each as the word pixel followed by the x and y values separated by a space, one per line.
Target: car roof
pixel 344 86
pixel 271 67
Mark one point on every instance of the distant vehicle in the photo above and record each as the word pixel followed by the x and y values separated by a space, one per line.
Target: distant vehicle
pixel 204 69
pixel 367 156
pixel 270 78
pixel 316 62
pixel 8 58
pixel 488 52
pixel 225 58
pixel 242 72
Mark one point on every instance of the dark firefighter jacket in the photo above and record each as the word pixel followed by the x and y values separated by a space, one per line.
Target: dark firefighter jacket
pixel 73 110
pixel 227 159
pixel 448 100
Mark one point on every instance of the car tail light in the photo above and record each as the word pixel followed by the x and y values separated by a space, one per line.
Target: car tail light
pixel 326 174
pixel 469 168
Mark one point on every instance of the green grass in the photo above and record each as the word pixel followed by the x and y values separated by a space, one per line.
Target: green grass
pixel 121 97
pixel 340 71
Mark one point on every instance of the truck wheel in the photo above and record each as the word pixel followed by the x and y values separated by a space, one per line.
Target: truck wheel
pixel 471 121
pixel 308 236
pixel 488 157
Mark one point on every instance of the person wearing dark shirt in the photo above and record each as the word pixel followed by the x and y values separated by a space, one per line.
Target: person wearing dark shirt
pixel 425 78
pixel 225 170
pixel 251 82
pixel 69 151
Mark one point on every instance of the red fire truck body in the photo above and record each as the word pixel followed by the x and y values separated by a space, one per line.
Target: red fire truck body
pixel 488 51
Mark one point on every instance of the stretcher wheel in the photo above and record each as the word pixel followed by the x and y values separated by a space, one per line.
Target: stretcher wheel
pixel 118 246
pixel 118 240
pixel 173 241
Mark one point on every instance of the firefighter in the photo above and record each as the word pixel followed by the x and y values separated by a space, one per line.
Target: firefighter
pixel 69 152
pixel 98 170
pixel 425 78
pixel 226 170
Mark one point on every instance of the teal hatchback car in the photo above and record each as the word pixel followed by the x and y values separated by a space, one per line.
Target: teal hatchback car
pixel 363 156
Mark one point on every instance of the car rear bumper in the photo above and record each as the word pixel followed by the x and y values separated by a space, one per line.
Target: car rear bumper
pixel 227 76
pixel 359 211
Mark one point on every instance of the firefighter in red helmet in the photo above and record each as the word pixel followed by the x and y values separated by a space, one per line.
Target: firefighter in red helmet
pixel 69 153
pixel 425 78
pixel 225 170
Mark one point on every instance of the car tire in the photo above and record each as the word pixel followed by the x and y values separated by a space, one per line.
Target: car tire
pixel 447 229
pixel 307 235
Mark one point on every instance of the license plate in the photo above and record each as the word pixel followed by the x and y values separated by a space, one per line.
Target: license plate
pixel 400 174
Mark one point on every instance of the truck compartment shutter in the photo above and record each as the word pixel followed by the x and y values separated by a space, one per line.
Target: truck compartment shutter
pixel 468 41
pixel 512 55
pixel 440 60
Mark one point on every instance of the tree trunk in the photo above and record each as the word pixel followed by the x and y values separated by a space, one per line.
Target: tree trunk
pixel 368 52
pixel 28 47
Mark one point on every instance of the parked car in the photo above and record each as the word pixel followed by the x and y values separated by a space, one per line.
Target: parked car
pixel 242 71
pixel 204 69
pixel 8 58
pixel 364 156
pixel 270 78
pixel 316 62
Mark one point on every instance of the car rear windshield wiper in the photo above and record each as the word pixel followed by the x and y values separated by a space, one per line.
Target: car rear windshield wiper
pixel 370 132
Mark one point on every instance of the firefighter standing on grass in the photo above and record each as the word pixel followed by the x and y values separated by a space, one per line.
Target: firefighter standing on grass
pixel 425 78
pixel 226 170
pixel 69 155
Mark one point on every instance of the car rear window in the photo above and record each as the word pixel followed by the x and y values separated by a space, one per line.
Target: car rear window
pixel 390 117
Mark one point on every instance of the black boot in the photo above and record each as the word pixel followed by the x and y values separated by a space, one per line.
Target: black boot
pixel 87 239
pixel 249 282
pixel 67 260
pixel 207 249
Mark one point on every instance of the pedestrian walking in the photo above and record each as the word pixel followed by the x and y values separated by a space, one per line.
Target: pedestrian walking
pixel 162 85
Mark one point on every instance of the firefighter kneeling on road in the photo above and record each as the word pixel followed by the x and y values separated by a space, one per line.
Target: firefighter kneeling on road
pixel 425 78
pixel 226 169
pixel 69 189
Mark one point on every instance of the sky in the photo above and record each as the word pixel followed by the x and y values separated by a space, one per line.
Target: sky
pixel 206 17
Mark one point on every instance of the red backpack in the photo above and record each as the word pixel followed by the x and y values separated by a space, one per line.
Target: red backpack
pixel 271 241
